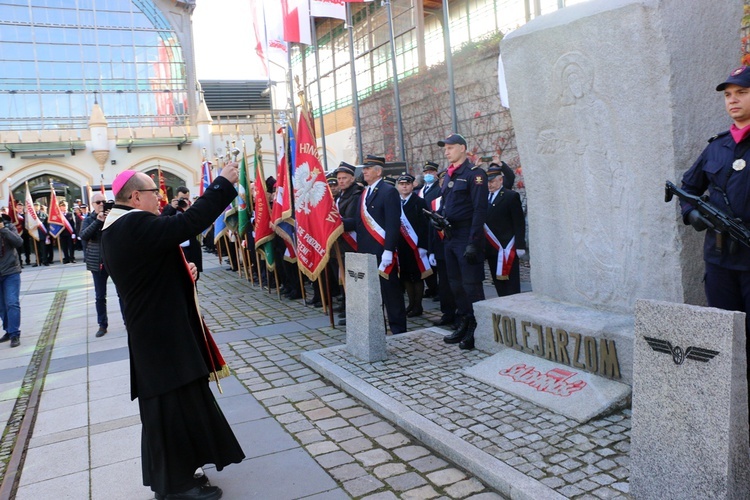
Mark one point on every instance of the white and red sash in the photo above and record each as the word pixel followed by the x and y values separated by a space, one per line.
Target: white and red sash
pixel 377 232
pixel 411 238
pixel 351 239
pixel 505 256
pixel 435 205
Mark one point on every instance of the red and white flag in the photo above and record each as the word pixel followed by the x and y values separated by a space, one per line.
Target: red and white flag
pixel 318 219
pixel 268 30
pixel 31 220
pixel 296 16
pixel 328 8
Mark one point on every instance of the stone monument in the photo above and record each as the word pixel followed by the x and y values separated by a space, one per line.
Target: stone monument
pixel 365 330
pixel 689 436
pixel 605 97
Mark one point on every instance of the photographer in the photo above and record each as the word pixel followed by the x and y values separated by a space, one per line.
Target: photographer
pixel 91 234
pixel 191 248
pixel 10 282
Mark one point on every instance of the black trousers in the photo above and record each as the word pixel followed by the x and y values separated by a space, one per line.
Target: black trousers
pixel 465 279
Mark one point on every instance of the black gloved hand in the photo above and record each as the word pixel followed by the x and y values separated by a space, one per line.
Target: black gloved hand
pixel 471 254
pixel 436 224
pixel 698 222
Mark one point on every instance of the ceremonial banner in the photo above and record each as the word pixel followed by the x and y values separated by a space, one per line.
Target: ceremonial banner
pixel 32 221
pixel 282 215
pixel 205 176
pixel 318 219
pixel 328 8
pixel 296 15
pixel 264 233
pixel 13 213
pixel 244 199
pixel 163 200
pixel 56 219
pixel 268 28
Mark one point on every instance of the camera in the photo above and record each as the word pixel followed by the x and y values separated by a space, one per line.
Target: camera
pixel 485 159
pixel 6 220
pixel 182 203
pixel 108 205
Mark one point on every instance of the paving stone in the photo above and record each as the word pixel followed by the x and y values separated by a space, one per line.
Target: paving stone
pixel 390 441
pixel 353 412
pixel 446 476
pixel 383 495
pixel 320 413
pixel 411 452
pixel 311 404
pixel 321 448
pixel 331 423
pixel 373 457
pixel 377 429
pixel 464 488
pixel 281 409
pixel 388 470
pixel 428 463
pixel 407 481
pixel 309 436
pixel 362 485
pixel 334 459
pixel 356 445
pixel 347 472
pixel 425 492
pixel 344 433
pixel 365 419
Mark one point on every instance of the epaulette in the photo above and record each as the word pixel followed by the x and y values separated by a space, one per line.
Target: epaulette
pixel 475 167
pixel 712 139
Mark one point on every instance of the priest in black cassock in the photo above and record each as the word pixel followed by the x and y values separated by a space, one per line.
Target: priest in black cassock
pixel 171 352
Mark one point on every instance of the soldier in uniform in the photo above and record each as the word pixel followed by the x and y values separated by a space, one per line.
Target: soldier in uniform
pixel 437 261
pixel 464 204
pixel 350 194
pixel 413 259
pixel 378 223
pixel 429 191
pixel 505 231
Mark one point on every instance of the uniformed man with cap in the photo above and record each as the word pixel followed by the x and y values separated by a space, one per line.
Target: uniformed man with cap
pixel 505 232
pixel 347 203
pixel 413 259
pixel 464 204
pixel 378 225
pixel 722 170
pixel 430 190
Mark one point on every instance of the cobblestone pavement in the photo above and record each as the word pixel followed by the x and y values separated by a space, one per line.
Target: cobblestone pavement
pixel 364 452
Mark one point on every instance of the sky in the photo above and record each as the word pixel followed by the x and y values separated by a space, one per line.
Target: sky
pixel 224 41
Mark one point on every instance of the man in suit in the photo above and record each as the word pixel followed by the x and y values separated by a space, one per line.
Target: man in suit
pixel 437 261
pixel 350 195
pixel 429 191
pixel 171 354
pixel 505 231
pixel 378 224
pixel 412 246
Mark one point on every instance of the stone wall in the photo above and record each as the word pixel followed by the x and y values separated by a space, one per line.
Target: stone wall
pixel 426 115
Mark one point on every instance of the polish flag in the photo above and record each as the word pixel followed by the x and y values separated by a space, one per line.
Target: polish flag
pixel 328 8
pixel 296 21
pixel 268 28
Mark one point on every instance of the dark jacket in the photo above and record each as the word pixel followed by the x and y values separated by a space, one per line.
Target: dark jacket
pixel 385 207
pixel 348 202
pixel 406 259
pixel 465 200
pixel 91 234
pixel 142 254
pixel 505 219
pixel 9 241
pixel 713 172
pixel 192 251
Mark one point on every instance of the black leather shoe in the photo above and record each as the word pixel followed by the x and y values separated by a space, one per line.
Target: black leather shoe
pixel 414 312
pixel 200 481
pixel 468 341
pixel 5 338
pixel 101 332
pixel 15 342
pixel 197 493
pixel 458 334
pixel 444 321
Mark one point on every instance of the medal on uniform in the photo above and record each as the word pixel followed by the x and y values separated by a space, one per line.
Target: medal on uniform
pixel 450 184
pixel 739 164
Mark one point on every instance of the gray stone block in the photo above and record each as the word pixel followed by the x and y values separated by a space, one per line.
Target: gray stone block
pixel 365 331
pixel 689 436
pixel 612 130
pixel 580 337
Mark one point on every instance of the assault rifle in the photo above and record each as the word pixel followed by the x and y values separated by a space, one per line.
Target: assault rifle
pixel 440 222
pixel 716 219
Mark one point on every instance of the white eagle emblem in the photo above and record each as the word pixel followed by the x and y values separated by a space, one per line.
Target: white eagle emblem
pixel 307 191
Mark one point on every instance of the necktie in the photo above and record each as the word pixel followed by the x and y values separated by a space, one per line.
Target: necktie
pixel 492 198
pixel 403 202
pixel 369 193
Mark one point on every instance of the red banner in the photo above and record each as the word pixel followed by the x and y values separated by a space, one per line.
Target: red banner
pixel 318 219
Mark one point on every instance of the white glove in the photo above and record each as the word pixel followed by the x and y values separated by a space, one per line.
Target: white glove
pixel 73 236
pixel 433 261
pixel 520 253
pixel 422 253
pixel 386 259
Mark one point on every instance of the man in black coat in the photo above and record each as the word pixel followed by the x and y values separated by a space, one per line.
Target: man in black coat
pixel 171 355
pixel 350 195
pixel 378 224
pixel 505 233
pixel 413 260
pixel 428 192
